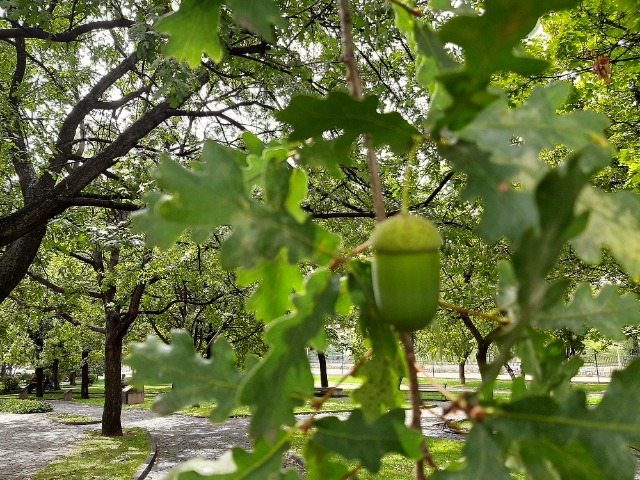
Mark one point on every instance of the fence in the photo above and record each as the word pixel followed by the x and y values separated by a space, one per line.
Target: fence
pixel 595 365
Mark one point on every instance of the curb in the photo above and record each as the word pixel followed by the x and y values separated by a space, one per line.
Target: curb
pixel 145 468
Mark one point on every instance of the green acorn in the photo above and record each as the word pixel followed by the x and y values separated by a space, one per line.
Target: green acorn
pixel 406 271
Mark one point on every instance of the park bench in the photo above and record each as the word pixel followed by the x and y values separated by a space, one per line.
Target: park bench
pixel 428 388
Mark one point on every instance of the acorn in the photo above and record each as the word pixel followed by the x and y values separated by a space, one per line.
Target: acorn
pixel 406 271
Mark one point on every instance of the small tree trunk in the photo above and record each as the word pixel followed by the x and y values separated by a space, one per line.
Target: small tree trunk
pixel 510 371
pixel 324 378
pixel 72 378
pixel 84 387
pixel 54 374
pixel 111 421
pixel 461 377
pixel 39 380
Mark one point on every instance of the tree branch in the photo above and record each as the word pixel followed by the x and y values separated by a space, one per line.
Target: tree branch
pixel 64 37
pixel 164 309
pixel 81 201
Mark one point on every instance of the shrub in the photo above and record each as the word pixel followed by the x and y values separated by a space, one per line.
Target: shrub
pixel 11 383
pixel 25 406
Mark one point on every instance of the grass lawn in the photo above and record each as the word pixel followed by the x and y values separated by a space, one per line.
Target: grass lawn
pixel 101 457
pixel 394 466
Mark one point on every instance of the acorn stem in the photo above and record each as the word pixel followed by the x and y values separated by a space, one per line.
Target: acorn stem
pixel 416 404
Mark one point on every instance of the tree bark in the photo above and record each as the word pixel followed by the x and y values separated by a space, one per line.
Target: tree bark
pixel 84 387
pixel 324 378
pixel 461 377
pixel 111 421
pixel 482 356
pixel 54 373
pixel 39 382
pixel 510 371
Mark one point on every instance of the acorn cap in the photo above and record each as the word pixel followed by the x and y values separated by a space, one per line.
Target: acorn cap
pixel 405 233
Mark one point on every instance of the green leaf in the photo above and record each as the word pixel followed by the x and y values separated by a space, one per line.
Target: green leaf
pixel 434 58
pixel 321 465
pixel 508 211
pixel 368 442
pixel 538 250
pixel 311 117
pixel 193 29
pixel 261 464
pixel 211 195
pixel 159 231
pixel 537 126
pixel 254 145
pixel 379 392
pixel 485 55
pixel 545 361
pixel 599 435
pixel 379 333
pixel 614 222
pixel 297 192
pixel 263 232
pixel 257 16
pixel 328 154
pixel 214 194
pixel 547 438
pixel 482 453
pixel 194 378
pixel 283 379
pixel 200 200
pixel 502 163
pixel 607 312
pixel 278 280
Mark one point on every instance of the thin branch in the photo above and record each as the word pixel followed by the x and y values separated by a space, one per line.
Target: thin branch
pixel 81 201
pixel 94 328
pixel 115 104
pixel 47 283
pixel 416 404
pixel 473 313
pixel 355 81
pixel 164 309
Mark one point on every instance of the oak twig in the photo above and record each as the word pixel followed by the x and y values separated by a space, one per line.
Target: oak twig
pixel 355 82
pixel 416 404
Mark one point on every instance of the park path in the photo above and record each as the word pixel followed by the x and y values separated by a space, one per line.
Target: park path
pixel 29 442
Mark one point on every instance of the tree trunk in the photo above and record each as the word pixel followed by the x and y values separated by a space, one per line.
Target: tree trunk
pixel 324 379
pixel 461 377
pixel 39 381
pixel 72 378
pixel 54 374
pixel 111 422
pixel 16 258
pixel 84 387
pixel 481 357
pixel 510 371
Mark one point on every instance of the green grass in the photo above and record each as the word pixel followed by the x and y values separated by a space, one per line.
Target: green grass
pixel 70 418
pixel 101 457
pixel 395 466
pixel 14 405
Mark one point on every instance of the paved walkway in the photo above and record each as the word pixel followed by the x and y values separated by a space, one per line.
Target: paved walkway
pixel 31 441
